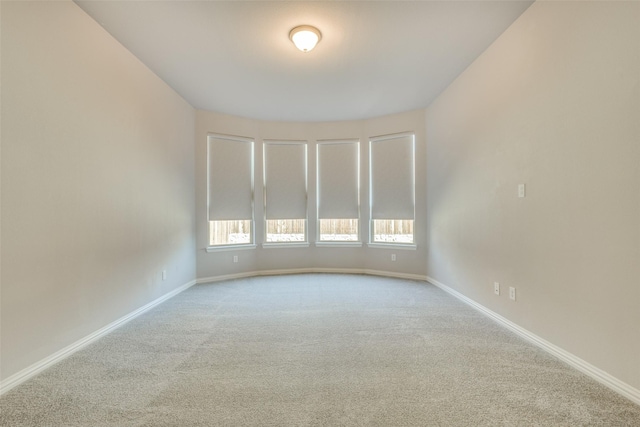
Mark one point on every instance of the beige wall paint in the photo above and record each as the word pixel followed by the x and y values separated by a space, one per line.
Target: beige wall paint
pixel 97 182
pixel 260 259
pixel 553 103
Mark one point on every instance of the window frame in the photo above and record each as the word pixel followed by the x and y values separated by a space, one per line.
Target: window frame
pixel 231 246
pixel 339 243
pixel 285 244
pixel 399 245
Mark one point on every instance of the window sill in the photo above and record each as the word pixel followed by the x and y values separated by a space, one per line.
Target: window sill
pixel 338 244
pixel 285 245
pixel 406 246
pixel 222 248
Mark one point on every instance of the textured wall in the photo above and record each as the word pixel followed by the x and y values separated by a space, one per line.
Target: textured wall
pixel 97 182
pixel 553 103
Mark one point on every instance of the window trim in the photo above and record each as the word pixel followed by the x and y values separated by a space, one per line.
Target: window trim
pixel 371 243
pixel 270 245
pixel 236 247
pixel 339 243
pixel 305 144
pixel 252 234
pixel 407 246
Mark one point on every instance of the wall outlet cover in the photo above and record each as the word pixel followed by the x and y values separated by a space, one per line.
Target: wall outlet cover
pixel 521 190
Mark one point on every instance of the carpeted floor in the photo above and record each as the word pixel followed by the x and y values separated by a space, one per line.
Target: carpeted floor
pixel 313 350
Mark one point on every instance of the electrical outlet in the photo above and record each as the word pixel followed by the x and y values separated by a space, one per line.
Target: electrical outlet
pixel 393 257
pixel 512 293
pixel 164 274
pixel 521 190
pixel 496 288
pixel 235 258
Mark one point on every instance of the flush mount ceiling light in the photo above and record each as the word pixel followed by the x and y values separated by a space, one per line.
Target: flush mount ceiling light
pixel 305 37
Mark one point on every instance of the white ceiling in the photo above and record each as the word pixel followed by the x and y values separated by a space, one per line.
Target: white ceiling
pixel 375 58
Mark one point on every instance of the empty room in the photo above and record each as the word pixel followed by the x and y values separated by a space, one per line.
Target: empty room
pixel 291 213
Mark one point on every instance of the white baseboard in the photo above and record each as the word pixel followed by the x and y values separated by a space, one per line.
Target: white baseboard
pixel 408 276
pixel 22 376
pixel 597 374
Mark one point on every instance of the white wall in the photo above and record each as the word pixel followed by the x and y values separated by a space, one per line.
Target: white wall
pixel 553 103
pixel 97 182
pixel 215 264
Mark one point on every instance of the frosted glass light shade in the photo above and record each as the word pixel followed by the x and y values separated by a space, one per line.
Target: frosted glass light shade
pixel 305 37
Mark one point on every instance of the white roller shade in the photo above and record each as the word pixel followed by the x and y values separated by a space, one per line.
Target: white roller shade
pixel 230 178
pixel 285 180
pixel 338 172
pixel 392 177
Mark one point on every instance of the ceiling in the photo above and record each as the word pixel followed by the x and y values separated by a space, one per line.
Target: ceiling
pixel 375 58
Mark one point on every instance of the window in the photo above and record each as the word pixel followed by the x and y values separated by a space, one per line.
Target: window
pixel 392 188
pixel 393 230
pixel 236 232
pixel 339 230
pixel 230 190
pixel 338 193
pixel 286 230
pixel 285 191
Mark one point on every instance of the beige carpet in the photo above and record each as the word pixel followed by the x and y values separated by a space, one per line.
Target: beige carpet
pixel 313 350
